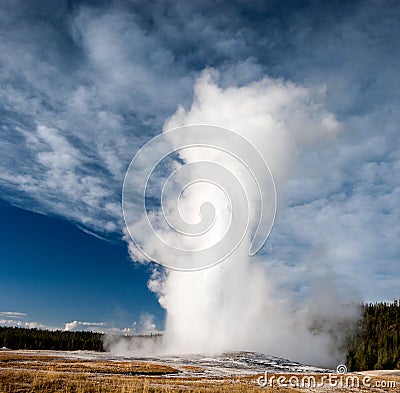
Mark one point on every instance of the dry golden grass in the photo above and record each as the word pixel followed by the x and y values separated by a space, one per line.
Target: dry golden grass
pixel 34 373
pixel 49 363
pixel 18 381
pixel 193 369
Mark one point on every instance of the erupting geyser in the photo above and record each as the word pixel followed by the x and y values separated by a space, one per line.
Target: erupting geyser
pixel 201 201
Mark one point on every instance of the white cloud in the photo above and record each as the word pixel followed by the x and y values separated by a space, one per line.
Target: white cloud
pixel 12 314
pixel 79 326
pixel 25 324
pixel 145 325
pixel 79 102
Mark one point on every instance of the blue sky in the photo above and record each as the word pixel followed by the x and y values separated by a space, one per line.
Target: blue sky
pixel 56 273
pixel 85 84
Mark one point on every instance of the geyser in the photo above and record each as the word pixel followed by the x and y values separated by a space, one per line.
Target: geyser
pixel 237 304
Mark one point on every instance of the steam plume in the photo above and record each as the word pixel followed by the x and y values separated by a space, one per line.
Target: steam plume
pixel 238 304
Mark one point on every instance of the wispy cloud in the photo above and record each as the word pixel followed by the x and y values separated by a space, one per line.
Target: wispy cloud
pixel 12 314
pixel 90 84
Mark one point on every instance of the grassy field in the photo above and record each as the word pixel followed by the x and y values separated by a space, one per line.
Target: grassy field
pixel 22 372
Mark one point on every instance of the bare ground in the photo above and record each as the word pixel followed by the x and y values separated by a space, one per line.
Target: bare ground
pixel 48 372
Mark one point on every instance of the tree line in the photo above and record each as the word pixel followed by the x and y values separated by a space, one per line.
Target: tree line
pixel 23 338
pixel 376 342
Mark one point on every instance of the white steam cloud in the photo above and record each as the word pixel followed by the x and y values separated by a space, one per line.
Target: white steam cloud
pixel 239 304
